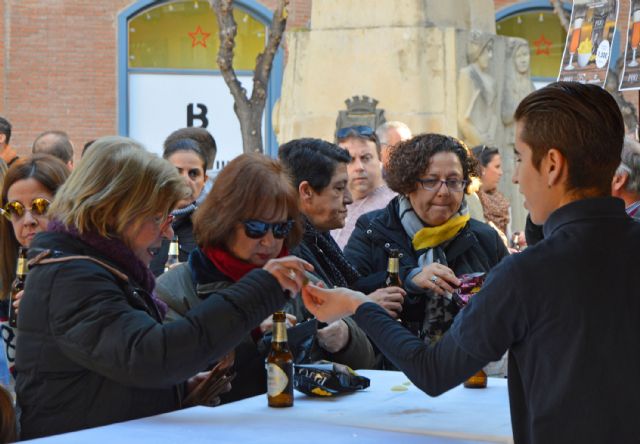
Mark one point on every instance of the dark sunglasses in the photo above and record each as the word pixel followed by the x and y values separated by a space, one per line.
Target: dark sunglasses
pixel 365 131
pixel 15 209
pixel 256 229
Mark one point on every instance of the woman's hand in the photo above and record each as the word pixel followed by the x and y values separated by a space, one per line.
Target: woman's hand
pixel 15 301
pixel 267 324
pixel 389 298
pixel 289 271
pixel 329 305
pixel 438 278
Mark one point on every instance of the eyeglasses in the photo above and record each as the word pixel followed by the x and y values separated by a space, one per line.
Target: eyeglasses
pixel 455 185
pixel 15 209
pixel 256 229
pixel 365 131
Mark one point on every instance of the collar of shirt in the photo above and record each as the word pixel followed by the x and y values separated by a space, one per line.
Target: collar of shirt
pixel 591 208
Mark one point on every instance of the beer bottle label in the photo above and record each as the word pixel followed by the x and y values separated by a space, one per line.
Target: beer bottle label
pixel 173 249
pixel 277 380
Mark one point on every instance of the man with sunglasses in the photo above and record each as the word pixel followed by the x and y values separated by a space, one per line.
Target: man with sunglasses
pixel 368 189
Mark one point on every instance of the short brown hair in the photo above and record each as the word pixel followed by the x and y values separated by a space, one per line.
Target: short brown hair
pixel 409 160
pixel 247 187
pixel 584 123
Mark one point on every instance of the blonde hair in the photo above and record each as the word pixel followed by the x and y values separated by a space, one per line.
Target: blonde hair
pixel 117 184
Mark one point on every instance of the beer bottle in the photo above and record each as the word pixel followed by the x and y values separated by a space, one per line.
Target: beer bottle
pixel 18 285
pixel 279 366
pixel 393 269
pixel 477 381
pixel 174 254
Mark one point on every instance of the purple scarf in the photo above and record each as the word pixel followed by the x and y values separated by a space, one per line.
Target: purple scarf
pixel 117 252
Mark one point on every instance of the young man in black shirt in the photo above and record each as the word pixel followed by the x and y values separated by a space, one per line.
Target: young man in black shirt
pixel 566 309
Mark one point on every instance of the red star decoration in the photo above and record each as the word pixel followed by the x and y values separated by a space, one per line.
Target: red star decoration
pixel 199 40
pixel 543 46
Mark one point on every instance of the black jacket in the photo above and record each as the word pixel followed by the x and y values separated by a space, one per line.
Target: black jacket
pixel 477 247
pixel 92 350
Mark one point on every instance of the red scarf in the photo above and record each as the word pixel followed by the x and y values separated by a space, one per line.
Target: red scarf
pixel 230 265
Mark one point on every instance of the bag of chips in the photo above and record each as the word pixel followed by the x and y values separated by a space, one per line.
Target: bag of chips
pixel 470 285
pixel 325 378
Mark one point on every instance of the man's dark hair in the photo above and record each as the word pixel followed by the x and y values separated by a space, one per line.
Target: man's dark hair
pixel 584 123
pixel 313 160
pixel 86 146
pixel 55 143
pixel 5 128
pixel 202 137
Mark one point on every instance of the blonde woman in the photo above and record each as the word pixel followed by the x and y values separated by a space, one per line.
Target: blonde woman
pixel 93 349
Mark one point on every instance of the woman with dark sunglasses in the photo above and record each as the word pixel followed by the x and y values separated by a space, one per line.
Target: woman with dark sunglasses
pixel 249 218
pixel 28 188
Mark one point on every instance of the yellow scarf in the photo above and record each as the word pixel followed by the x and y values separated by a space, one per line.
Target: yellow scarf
pixel 429 237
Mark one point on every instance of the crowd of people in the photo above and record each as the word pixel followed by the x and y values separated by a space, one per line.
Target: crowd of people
pixel 107 333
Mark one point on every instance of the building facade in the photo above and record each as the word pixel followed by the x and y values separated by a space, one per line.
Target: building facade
pixel 98 68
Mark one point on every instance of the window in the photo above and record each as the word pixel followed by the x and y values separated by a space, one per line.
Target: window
pixel 546 37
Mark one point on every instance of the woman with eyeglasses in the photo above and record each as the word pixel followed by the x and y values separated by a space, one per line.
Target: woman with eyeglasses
pixel 93 349
pixel 249 218
pixel 27 190
pixel 429 224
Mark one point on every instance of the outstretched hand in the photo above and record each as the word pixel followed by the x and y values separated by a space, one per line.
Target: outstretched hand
pixel 289 271
pixel 329 305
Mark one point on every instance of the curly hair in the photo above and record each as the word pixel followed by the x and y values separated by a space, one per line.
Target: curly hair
pixel 410 159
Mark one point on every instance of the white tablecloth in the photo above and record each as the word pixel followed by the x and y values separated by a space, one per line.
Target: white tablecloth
pixel 378 414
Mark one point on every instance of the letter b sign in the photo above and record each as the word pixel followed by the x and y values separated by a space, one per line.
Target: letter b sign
pixel 201 116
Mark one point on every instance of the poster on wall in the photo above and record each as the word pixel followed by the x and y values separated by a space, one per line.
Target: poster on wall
pixel 587 52
pixel 161 103
pixel 630 78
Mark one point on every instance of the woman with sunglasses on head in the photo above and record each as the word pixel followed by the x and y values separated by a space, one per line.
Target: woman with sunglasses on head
pixel 429 224
pixel 93 349
pixel 250 217
pixel 27 190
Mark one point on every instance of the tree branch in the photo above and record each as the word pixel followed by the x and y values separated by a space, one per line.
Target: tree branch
pixel 559 10
pixel 227 30
pixel 264 61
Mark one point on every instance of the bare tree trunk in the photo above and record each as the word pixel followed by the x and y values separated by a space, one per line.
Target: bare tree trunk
pixel 248 110
pixel 559 10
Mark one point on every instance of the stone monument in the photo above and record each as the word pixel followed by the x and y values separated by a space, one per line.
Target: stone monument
pixel 408 55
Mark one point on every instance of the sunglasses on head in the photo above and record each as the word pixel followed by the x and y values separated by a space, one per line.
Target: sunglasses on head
pixel 255 229
pixel 15 209
pixel 365 131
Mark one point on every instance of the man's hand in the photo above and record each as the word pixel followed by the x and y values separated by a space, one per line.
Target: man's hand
pixel 334 337
pixel 389 298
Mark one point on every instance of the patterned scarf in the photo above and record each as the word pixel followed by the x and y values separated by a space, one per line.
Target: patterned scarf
pixel 428 243
pixel 495 208
pixel 339 271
